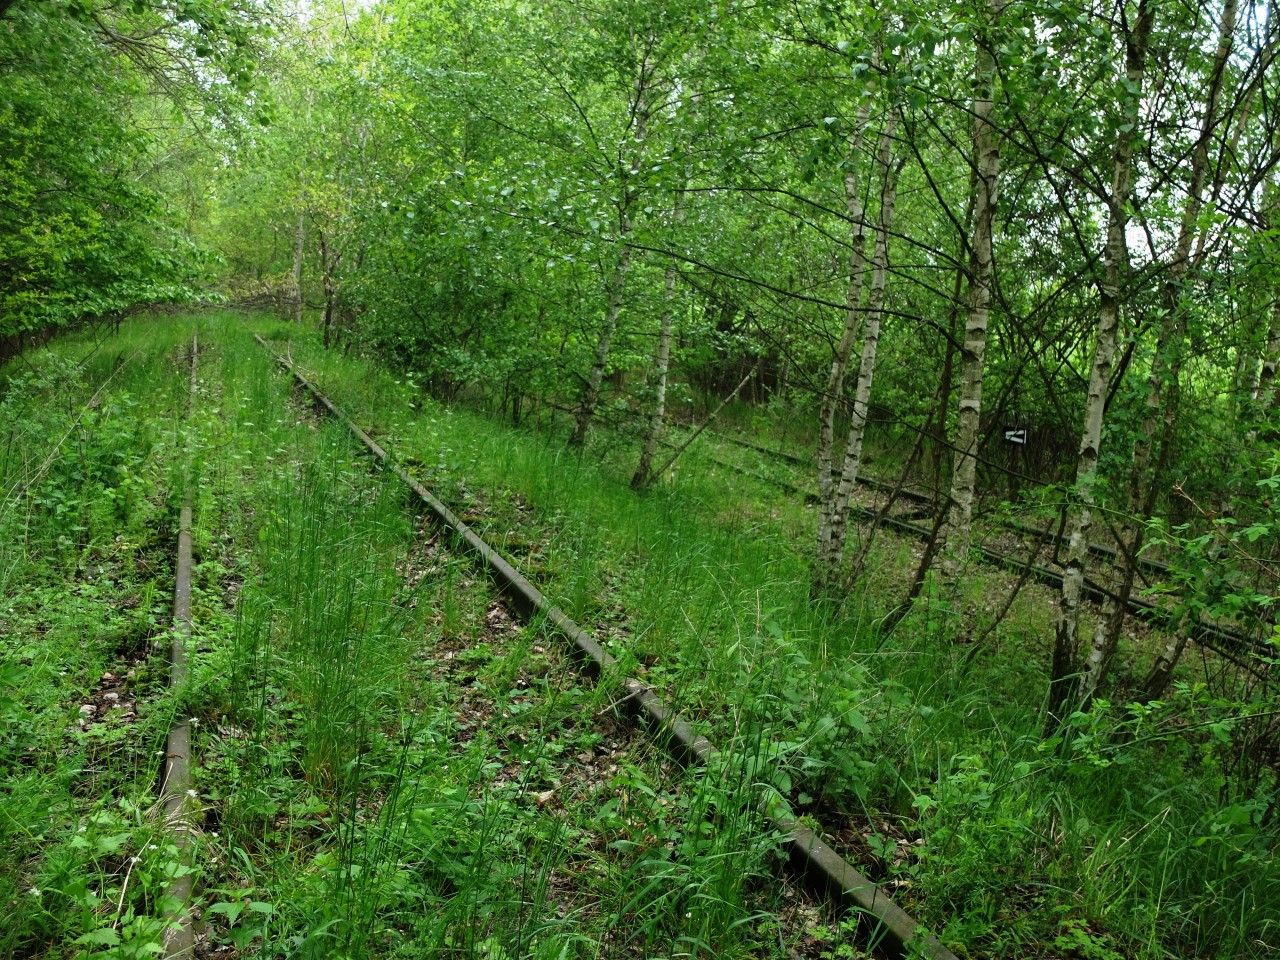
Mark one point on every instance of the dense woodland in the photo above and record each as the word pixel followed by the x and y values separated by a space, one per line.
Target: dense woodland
pixel 1017 262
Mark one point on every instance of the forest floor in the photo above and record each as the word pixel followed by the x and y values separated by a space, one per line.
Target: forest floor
pixel 389 763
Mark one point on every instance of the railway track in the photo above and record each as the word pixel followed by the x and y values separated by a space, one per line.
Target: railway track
pixel 812 857
pixel 808 853
pixel 1233 645
pixel 923 498
pixel 179 938
pixel 117 658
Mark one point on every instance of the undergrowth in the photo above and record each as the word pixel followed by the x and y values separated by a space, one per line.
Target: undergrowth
pixel 87 485
pixel 390 765
pixel 1121 838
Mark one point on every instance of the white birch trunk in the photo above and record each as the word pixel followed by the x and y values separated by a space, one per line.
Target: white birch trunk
pixel 604 345
pixel 824 568
pixel 986 159
pixel 870 346
pixel 1263 393
pixel 299 237
pixel 661 365
pixel 1115 266
pixel 1165 369
pixel 617 284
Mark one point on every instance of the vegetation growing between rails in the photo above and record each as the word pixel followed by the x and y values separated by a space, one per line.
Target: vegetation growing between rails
pixel 907 739
pixel 386 763
pixel 369 721
pixel 92 450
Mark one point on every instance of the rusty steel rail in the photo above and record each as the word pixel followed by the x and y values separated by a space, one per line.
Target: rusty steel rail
pixel 179 937
pixel 920 497
pixel 807 851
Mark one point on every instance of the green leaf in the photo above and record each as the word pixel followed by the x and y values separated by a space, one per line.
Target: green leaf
pixel 102 937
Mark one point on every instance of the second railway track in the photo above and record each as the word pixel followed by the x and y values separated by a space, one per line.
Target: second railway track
pixel 1231 643
pixel 1234 645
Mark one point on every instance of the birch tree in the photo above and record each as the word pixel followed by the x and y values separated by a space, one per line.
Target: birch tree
pixel 654 426
pixel 1263 392
pixel 986 163
pixel 638 119
pixel 1150 449
pixel 888 171
pixel 299 247
pixel 659 371
pixel 827 558
pixel 1065 670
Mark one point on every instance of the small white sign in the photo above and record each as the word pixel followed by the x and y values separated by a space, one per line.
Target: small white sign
pixel 1016 436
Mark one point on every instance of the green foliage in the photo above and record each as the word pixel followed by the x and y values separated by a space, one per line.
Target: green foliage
pixel 398 768
pixel 84 486
pixel 96 102
pixel 1007 843
pixel 504 204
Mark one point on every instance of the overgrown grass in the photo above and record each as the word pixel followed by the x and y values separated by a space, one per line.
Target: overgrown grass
pixel 92 441
pixel 391 766
pixel 1122 839
pixel 394 767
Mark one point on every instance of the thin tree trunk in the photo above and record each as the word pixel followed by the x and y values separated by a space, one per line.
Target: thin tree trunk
pixel 833 396
pixel 1264 390
pixel 604 346
pixel 1062 682
pixel 899 613
pixel 1259 397
pixel 617 285
pixel 889 171
pixel 939 421
pixel 661 364
pixel 941 449
pixel 864 548
pixel 986 160
pixel 705 423
pixel 328 265
pixel 1157 680
pixel 1247 374
pixel 299 236
pixel 1011 597
pixel 1162 384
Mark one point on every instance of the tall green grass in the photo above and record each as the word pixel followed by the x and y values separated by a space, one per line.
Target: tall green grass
pixel 394 775
pixel 1012 846
pixel 92 438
